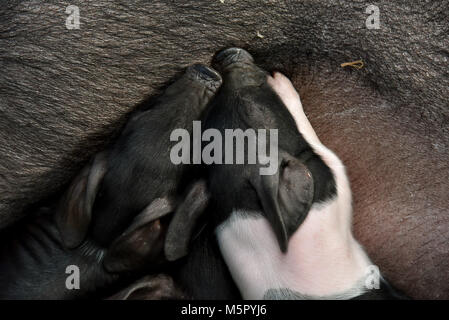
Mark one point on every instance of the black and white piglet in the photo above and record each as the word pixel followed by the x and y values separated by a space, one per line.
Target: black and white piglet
pixel 111 219
pixel 286 235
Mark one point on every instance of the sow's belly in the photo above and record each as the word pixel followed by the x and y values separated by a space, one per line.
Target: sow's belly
pixel 398 169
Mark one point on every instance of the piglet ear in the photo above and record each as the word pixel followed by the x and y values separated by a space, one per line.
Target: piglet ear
pixel 286 197
pixel 296 193
pixel 75 208
pixel 184 221
pixel 142 242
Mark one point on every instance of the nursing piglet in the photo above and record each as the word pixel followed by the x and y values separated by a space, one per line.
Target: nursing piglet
pixel 112 220
pixel 285 235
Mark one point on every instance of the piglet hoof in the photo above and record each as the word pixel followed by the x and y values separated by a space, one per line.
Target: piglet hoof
pixel 153 287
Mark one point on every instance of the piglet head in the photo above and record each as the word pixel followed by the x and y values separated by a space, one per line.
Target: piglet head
pixel 283 191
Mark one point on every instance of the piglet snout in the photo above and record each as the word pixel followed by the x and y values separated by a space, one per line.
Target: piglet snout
pixel 230 56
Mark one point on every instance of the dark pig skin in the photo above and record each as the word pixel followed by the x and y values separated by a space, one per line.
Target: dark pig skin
pixel 65 94
pixel 34 261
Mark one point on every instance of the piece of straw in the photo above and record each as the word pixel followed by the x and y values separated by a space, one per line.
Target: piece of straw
pixel 355 64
